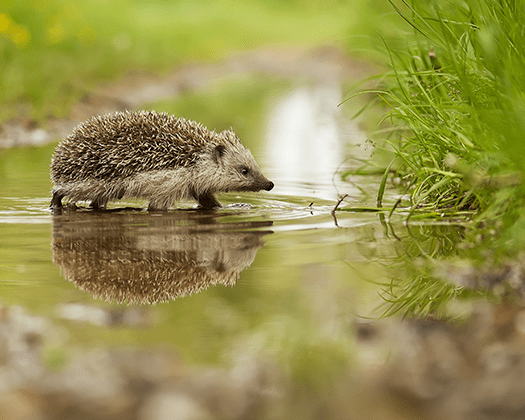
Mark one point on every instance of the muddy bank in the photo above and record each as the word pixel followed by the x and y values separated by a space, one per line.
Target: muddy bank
pixel 408 369
pixel 135 90
pixel 41 377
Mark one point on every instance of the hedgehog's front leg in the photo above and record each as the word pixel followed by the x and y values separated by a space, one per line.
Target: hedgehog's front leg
pixel 56 201
pixel 207 201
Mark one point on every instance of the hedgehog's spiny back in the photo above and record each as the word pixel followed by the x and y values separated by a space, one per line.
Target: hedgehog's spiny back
pixel 118 145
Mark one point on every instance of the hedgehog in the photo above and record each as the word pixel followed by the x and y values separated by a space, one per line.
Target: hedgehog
pixel 154 156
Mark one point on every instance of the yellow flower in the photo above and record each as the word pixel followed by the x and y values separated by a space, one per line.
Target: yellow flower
pixel 20 36
pixel 55 33
pixel 16 33
pixel 4 23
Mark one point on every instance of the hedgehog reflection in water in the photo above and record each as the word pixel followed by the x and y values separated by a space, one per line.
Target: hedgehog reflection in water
pixel 151 155
pixel 106 255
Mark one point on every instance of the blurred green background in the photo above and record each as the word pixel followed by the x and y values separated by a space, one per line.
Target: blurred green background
pixel 53 51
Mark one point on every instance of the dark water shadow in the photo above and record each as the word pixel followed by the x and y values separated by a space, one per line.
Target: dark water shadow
pixel 146 258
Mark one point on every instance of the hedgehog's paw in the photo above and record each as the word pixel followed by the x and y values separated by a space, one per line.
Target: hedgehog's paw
pixel 208 202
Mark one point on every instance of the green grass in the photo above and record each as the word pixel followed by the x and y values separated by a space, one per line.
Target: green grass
pixel 453 134
pixel 456 109
pixel 55 51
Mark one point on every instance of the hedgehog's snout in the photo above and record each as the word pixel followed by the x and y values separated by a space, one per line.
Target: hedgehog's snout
pixel 269 186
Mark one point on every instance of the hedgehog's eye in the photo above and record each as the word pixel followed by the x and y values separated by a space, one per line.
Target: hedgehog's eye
pixel 245 171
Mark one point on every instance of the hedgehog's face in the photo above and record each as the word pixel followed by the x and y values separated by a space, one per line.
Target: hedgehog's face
pixel 237 167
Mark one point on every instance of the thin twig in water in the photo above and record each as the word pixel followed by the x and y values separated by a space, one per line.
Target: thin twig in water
pixel 393 209
pixel 336 206
pixel 338 203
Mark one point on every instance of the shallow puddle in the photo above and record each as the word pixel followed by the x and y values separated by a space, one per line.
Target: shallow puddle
pixel 267 308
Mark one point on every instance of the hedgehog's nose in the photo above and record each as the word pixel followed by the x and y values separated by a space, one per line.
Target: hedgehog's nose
pixel 270 186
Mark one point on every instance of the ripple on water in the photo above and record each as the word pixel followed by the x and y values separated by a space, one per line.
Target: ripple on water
pixel 24 210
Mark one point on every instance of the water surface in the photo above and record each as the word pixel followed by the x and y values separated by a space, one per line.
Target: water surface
pixel 267 308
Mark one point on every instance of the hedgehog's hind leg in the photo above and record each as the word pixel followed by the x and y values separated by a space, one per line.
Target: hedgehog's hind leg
pixel 98 204
pixel 157 204
pixel 207 201
pixel 56 201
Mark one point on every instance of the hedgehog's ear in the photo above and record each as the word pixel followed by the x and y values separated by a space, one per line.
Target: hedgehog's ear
pixel 218 152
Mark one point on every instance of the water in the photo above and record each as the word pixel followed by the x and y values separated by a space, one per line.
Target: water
pixel 267 308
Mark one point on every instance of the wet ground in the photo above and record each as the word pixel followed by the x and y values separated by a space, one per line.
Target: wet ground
pixel 273 307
